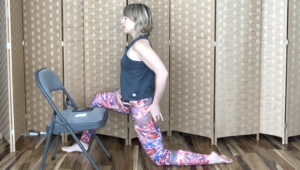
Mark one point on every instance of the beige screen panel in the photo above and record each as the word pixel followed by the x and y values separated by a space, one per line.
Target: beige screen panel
pixel 192 66
pixel 159 38
pixel 293 78
pixel 74 50
pixel 4 85
pixel 104 44
pixel 43 49
pixel 237 68
pixel 273 67
pixel 18 89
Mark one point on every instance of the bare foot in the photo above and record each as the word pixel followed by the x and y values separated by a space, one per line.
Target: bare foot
pixel 75 147
pixel 215 158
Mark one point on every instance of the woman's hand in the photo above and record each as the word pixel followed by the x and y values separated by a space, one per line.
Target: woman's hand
pixel 154 109
pixel 119 98
pixel 145 53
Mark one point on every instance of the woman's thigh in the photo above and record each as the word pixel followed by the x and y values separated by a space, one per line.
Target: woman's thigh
pixel 109 101
pixel 147 130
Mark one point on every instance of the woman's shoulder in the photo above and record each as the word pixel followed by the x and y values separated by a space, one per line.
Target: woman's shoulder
pixel 141 44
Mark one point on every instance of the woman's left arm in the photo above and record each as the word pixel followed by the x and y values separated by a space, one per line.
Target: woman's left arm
pixel 152 60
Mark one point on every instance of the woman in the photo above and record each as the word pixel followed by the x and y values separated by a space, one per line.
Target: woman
pixel 143 80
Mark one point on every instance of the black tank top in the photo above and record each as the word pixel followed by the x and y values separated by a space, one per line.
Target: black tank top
pixel 137 80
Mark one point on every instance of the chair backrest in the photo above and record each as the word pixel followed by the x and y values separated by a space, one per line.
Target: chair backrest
pixel 48 81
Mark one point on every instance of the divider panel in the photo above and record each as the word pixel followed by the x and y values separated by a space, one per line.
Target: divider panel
pixel 192 66
pixel 159 38
pixel 293 78
pixel 42 49
pixel 73 51
pixel 18 121
pixel 104 43
pixel 273 67
pixel 238 68
pixel 4 77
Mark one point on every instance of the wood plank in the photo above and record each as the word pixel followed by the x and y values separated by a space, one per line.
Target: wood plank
pixel 246 148
pixel 275 142
pixel 81 162
pixel 245 143
pixel 224 149
pixel 180 167
pixel 265 143
pixel 267 159
pixel 35 159
pixel 268 156
pixel 144 160
pixel 296 145
pixel 135 157
pixel 261 148
pixel 110 144
pixel 119 156
pixel 3 147
pixel 295 138
pixel 291 157
pixel 19 163
pixel 254 161
pixel 128 151
pixel 279 162
pixel 40 141
pixel 242 163
pixel 189 143
pixel 11 159
pixel 55 164
pixel 175 138
pixel 202 144
pixel 222 167
pixel 233 147
pixel 249 144
pixel 4 152
pixel 69 160
pixel 25 166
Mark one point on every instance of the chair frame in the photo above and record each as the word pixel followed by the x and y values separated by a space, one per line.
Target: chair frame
pixel 68 102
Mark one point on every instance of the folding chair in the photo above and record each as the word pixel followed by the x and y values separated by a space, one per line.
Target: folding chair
pixel 67 120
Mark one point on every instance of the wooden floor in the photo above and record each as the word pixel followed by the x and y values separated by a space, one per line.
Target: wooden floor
pixel 246 151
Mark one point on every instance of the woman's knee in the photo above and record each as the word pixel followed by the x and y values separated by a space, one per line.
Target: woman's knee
pixel 98 100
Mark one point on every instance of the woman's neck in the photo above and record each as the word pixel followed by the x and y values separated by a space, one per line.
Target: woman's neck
pixel 134 35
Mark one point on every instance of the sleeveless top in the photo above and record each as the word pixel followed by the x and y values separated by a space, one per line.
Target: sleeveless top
pixel 137 80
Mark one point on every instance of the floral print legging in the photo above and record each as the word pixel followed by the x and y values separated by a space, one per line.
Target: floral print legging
pixel 147 131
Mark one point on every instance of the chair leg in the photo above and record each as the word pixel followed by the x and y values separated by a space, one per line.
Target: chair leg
pixel 55 147
pixel 98 140
pixel 90 143
pixel 45 151
pixel 83 150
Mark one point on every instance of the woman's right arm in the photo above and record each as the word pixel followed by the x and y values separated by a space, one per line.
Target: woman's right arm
pixel 119 98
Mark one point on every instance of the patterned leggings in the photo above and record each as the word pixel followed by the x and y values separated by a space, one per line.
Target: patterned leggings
pixel 147 131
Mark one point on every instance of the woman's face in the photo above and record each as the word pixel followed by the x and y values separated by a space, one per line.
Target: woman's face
pixel 128 26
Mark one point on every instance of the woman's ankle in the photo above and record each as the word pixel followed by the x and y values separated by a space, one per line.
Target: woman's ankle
pixel 85 145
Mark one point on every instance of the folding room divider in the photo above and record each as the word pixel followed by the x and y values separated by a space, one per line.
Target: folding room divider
pixel 12 92
pixel 233 66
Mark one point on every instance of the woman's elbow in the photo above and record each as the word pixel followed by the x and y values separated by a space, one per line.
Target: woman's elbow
pixel 165 73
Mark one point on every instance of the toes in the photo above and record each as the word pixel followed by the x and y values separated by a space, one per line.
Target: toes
pixel 226 159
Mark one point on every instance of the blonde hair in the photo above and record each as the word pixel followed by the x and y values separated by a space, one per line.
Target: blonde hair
pixel 142 16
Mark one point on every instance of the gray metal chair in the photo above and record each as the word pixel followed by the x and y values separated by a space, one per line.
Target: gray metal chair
pixel 67 120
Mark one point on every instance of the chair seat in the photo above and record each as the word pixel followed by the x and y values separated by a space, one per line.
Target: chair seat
pixel 80 121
